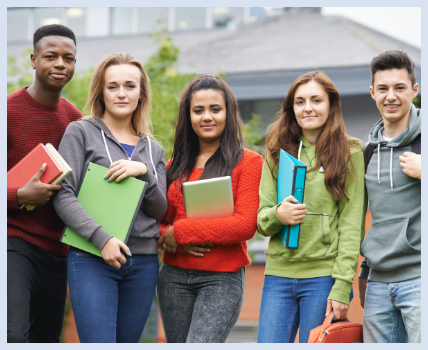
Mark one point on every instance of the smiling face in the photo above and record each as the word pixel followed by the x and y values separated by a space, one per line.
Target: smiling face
pixel 54 59
pixel 208 115
pixel 121 90
pixel 393 93
pixel 311 106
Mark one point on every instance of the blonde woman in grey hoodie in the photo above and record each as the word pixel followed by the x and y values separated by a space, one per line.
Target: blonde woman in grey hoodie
pixel 111 296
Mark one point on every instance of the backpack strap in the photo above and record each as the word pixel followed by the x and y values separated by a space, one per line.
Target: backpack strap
pixel 368 152
pixel 416 145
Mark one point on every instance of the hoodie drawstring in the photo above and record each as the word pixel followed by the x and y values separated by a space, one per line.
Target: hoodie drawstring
pixel 300 149
pixel 390 169
pixel 150 150
pixel 105 144
pixel 151 158
pixel 378 162
pixel 390 165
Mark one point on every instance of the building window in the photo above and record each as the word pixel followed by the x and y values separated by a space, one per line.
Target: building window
pixel 148 17
pixel 48 15
pixel 17 24
pixel 258 12
pixel 76 19
pixel 122 20
pixel 230 17
pixel 190 18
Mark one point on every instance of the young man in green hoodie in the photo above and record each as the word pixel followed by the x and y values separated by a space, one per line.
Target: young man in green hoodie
pixel 392 248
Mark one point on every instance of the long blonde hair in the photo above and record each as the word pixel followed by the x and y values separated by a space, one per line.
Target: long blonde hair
pixel 141 122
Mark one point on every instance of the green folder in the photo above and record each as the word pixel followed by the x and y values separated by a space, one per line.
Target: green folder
pixel 113 205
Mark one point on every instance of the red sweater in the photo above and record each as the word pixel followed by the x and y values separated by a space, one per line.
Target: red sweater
pixel 228 235
pixel 28 124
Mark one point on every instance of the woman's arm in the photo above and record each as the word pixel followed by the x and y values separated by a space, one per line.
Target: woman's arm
pixel 238 228
pixel 154 202
pixel 68 208
pixel 350 225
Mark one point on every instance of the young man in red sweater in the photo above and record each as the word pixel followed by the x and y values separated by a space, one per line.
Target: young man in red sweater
pixel 36 260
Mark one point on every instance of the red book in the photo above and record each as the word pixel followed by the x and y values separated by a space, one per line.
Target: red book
pixel 25 169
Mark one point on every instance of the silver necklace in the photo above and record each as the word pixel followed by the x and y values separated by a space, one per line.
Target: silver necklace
pixel 199 165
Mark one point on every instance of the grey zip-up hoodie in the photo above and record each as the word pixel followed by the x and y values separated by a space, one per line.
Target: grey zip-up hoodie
pixel 392 248
pixel 83 143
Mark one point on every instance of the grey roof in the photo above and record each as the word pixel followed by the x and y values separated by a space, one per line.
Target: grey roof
pixel 292 42
pixel 272 51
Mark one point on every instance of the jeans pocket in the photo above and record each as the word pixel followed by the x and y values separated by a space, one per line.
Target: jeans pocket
pixel 153 257
pixel 83 254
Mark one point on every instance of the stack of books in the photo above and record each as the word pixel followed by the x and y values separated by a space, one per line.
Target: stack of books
pixel 57 168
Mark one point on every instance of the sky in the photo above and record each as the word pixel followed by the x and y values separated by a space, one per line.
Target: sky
pixel 403 23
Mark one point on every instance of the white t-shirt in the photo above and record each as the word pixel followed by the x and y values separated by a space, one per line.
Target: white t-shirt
pixel 386 138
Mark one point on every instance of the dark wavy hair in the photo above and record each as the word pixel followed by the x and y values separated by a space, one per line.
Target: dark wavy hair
pixel 332 144
pixel 186 142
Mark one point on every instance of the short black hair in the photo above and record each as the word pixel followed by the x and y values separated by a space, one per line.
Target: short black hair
pixel 393 59
pixel 52 29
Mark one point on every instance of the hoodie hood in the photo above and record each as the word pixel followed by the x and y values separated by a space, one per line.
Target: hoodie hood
pixel 405 138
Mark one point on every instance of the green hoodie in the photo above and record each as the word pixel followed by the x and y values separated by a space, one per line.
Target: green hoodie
pixel 330 234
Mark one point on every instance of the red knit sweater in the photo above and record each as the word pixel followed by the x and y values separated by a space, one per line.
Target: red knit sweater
pixel 228 235
pixel 28 124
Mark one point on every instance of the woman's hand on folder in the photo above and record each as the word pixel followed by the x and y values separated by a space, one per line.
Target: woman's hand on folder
pixel 112 254
pixel 291 213
pixel 36 192
pixel 122 169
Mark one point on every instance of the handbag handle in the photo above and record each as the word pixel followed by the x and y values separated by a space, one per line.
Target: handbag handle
pixel 329 319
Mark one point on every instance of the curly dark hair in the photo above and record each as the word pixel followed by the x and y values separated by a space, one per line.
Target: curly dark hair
pixel 52 29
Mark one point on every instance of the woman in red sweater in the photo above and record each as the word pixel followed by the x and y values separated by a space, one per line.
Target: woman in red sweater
pixel 202 280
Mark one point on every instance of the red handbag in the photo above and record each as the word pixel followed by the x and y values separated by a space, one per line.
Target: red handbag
pixel 337 332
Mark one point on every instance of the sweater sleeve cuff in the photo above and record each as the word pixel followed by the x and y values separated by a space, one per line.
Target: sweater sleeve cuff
pixel 100 238
pixel 11 198
pixel 340 291
pixel 178 233
pixel 275 222
pixel 147 177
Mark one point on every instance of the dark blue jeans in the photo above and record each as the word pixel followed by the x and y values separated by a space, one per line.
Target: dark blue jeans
pixel 111 305
pixel 288 303
pixel 199 306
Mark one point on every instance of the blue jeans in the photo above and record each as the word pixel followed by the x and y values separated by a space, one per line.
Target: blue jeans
pixel 111 305
pixel 288 303
pixel 392 312
pixel 199 306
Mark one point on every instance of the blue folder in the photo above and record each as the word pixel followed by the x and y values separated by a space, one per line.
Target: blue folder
pixel 291 181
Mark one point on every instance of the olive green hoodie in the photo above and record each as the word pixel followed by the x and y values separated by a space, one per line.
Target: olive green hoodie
pixel 330 234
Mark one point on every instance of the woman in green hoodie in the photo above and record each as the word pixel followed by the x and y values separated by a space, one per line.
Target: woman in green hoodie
pixel 302 285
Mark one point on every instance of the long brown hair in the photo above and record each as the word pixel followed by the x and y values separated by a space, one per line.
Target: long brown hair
pixel 186 142
pixel 332 144
pixel 141 122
